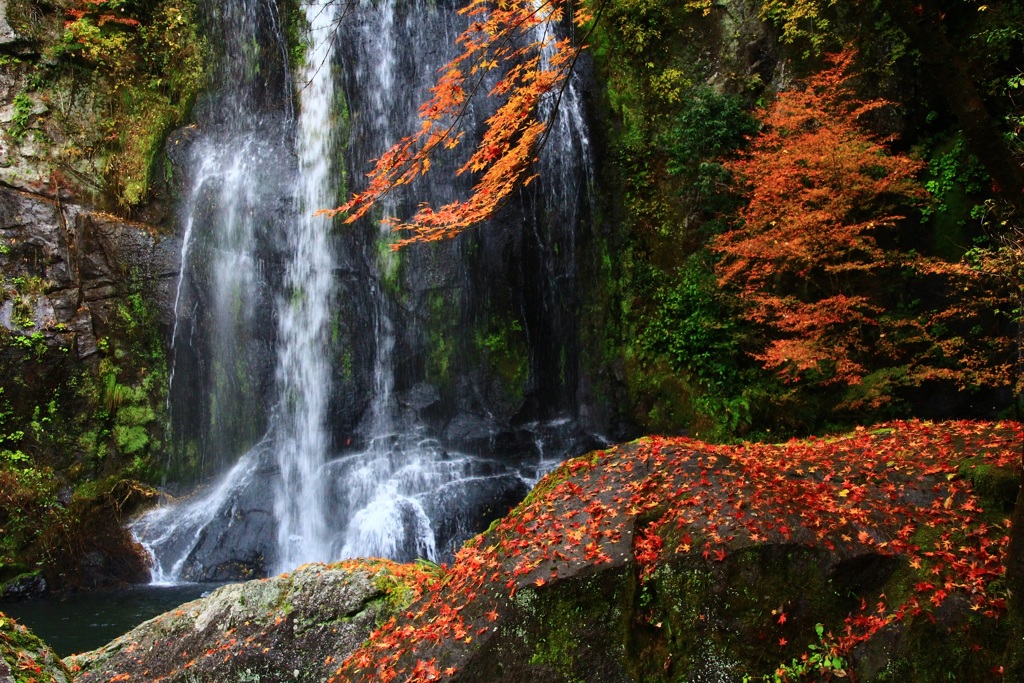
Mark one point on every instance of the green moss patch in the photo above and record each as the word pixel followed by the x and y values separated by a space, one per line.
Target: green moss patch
pixel 26 659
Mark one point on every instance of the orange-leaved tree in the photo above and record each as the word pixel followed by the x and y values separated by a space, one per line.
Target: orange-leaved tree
pixel 814 256
pixel 511 53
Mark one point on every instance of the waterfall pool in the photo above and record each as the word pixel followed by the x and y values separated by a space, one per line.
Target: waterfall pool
pixel 85 621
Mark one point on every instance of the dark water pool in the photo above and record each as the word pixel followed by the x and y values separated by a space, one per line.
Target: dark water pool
pixel 77 623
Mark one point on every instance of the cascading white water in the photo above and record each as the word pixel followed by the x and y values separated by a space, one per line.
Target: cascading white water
pixel 237 159
pixel 377 526
pixel 303 371
pixel 223 178
pixel 383 485
pixel 569 136
pixel 169 533
pixel 237 166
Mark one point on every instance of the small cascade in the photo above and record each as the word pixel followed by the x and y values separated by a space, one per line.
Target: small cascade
pixel 172 533
pixel 239 164
pixel 407 399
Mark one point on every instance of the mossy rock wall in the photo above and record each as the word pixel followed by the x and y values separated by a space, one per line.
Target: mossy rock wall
pixel 85 299
pixel 89 91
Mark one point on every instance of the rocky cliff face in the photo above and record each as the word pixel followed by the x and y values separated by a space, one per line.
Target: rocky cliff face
pixel 82 382
pixel 67 269
pixel 87 269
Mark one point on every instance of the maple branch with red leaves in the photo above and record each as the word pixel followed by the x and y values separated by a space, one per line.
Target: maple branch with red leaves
pixel 514 42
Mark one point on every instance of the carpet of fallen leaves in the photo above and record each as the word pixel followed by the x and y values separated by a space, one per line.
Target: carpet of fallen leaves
pixel 897 489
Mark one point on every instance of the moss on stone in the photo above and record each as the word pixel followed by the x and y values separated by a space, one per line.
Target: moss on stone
pixel 441 347
pixel 109 94
pixel 558 646
pixel 938 653
pixel 398 594
pixel 296 33
pixel 24 658
pixel 692 613
pixel 571 632
pixel 502 344
pixel 996 486
pixel 389 266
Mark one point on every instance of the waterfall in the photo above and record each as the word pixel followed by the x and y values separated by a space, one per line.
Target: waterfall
pixel 303 312
pixel 404 400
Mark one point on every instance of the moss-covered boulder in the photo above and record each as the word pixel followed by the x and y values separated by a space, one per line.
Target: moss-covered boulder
pixel 26 659
pixel 297 626
pixel 866 556
pixel 23 587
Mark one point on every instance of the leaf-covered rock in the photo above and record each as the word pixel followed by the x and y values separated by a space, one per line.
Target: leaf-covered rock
pixel 670 559
pixel 26 659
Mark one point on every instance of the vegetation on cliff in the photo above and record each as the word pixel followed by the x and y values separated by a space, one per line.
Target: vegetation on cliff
pixel 72 435
pixel 695 133
pixel 817 235
pixel 99 87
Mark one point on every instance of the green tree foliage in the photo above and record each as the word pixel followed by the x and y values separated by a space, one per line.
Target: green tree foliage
pixel 680 340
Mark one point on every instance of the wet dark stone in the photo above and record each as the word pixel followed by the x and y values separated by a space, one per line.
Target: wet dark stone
pixel 24 587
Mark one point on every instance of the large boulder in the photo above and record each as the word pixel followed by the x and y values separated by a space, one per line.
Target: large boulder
pixel 866 556
pixel 23 587
pixel 297 626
